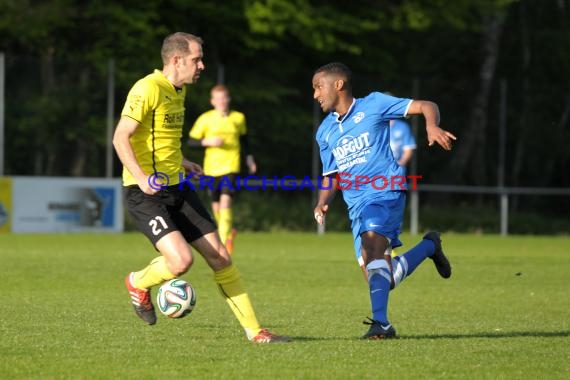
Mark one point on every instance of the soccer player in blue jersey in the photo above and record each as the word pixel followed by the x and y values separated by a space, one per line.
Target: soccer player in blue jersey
pixel 354 142
pixel 402 141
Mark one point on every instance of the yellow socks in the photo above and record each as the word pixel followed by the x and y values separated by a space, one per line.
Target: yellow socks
pixel 231 286
pixel 156 273
pixel 217 216
pixel 225 223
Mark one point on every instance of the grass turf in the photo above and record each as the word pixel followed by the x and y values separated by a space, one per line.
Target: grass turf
pixel 502 315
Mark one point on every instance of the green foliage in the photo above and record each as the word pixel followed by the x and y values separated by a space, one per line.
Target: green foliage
pixel 57 53
pixel 284 211
pixel 459 15
pixel 503 313
pixel 322 27
pixel 279 210
pixel 486 220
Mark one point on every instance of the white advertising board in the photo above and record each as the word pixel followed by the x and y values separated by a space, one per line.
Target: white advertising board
pixel 57 204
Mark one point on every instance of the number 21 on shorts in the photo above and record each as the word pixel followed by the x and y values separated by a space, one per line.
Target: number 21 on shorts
pixel 156 223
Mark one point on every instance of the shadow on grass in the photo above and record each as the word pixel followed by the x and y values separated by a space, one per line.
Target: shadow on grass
pixel 320 338
pixel 513 334
pixel 498 334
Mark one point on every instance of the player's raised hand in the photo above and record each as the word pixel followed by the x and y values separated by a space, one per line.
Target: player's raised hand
pixel 320 212
pixel 437 135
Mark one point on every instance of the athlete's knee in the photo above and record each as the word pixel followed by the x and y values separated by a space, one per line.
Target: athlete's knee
pixel 225 261
pixel 179 260
pixel 222 260
pixel 374 245
pixel 368 242
pixel 180 264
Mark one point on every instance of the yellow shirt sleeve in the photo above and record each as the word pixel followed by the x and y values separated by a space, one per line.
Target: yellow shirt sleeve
pixel 141 100
pixel 240 121
pixel 198 130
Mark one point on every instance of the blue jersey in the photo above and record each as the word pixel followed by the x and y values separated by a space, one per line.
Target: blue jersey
pixel 401 137
pixel 357 148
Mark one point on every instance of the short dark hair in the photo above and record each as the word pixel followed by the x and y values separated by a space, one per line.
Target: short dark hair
pixel 337 68
pixel 177 43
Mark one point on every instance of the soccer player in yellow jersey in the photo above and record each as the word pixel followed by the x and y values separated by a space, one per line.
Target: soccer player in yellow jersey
pixel 147 141
pixel 224 134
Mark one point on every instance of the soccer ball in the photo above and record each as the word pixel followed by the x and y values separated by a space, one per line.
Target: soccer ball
pixel 176 298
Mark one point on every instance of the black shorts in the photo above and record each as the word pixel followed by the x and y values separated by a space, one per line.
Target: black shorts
pixel 225 184
pixel 170 209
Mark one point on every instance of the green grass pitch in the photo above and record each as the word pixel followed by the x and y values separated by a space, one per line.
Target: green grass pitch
pixel 504 314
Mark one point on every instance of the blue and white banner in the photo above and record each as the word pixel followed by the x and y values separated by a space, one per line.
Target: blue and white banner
pixel 57 204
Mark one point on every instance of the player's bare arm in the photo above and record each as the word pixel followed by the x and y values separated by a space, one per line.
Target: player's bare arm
pixel 191 167
pixel 124 149
pixel 435 134
pixel 326 194
pixel 251 165
pixel 212 142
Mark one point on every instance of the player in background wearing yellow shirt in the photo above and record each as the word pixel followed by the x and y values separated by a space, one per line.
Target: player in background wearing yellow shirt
pixel 147 141
pixel 224 134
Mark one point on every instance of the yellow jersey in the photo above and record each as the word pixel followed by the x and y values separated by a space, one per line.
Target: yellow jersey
pixel 159 108
pixel 225 159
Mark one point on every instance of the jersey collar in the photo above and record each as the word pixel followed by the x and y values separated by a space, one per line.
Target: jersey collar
pixel 337 116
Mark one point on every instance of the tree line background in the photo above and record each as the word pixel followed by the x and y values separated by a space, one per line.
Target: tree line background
pixel 455 53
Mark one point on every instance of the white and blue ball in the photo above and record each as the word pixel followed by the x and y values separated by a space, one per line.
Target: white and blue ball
pixel 176 298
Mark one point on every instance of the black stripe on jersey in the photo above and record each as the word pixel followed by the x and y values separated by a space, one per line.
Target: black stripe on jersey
pixel 152 132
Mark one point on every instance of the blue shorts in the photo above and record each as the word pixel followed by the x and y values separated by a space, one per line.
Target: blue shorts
pixel 383 217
